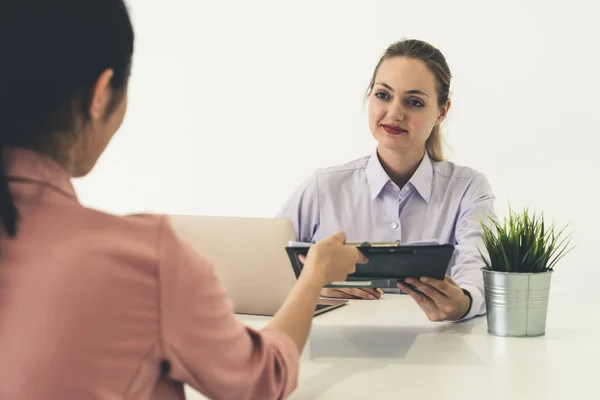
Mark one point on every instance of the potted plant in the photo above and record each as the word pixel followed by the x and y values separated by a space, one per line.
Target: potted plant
pixel 522 253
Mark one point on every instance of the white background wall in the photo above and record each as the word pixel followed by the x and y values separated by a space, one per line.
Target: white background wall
pixel 234 102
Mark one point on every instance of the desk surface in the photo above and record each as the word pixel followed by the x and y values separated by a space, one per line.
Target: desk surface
pixel 387 348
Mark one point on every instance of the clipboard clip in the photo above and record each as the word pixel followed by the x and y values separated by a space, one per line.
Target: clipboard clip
pixel 376 244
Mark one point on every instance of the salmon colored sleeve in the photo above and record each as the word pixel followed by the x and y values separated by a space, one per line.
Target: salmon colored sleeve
pixel 206 346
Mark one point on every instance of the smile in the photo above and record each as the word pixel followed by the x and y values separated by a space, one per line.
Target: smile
pixel 394 130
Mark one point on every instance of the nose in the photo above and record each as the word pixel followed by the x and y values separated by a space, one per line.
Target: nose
pixel 396 112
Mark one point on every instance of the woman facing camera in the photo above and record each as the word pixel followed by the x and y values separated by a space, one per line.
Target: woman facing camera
pixel 404 190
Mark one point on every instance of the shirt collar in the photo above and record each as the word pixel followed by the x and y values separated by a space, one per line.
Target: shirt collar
pixel 421 180
pixel 28 165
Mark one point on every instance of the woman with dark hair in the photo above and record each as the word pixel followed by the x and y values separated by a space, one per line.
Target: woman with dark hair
pixel 95 306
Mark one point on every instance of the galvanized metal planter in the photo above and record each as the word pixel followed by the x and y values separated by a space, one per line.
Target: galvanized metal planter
pixel 517 303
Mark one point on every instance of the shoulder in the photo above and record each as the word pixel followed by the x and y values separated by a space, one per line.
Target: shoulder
pixel 103 244
pixel 323 179
pixel 338 174
pixel 321 183
pixel 154 235
pixel 132 227
pixel 464 184
pixel 137 235
pixel 459 175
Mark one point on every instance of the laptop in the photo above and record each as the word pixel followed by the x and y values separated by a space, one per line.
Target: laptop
pixel 250 259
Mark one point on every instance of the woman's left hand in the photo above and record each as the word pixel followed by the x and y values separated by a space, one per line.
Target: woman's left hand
pixel 440 300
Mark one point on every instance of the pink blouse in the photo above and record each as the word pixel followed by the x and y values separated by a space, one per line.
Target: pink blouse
pixel 96 306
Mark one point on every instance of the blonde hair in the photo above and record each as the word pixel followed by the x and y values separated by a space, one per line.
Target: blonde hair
pixel 435 61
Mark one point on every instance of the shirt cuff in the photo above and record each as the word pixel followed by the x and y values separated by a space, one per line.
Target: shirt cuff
pixel 477 303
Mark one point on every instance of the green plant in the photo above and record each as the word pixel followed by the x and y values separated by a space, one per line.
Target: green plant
pixel 523 244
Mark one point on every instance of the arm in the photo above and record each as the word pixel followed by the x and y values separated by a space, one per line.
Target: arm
pixel 328 260
pixel 460 296
pixel 295 316
pixel 477 206
pixel 303 209
pixel 206 346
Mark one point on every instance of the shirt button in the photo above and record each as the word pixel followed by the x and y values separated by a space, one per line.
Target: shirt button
pixel 406 188
pixel 394 225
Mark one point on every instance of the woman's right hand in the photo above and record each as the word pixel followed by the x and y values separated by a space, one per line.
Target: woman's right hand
pixel 330 259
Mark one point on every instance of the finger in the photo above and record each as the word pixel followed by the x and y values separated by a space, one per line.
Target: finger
pixel 373 292
pixel 302 258
pixel 428 290
pixel 337 293
pixel 451 281
pixel 442 286
pixel 361 294
pixel 377 293
pixel 423 301
pixel 428 306
pixel 447 303
pixel 362 259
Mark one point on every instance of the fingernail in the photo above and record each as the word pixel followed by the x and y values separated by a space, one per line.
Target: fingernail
pixel 371 297
pixel 424 279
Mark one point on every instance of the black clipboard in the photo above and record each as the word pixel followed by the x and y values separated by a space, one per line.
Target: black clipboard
pixel 388 264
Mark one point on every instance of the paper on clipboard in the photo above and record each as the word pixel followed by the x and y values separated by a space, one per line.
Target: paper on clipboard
pixel 291 243
pixel 429 242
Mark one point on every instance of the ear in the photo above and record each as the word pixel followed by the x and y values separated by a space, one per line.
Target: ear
pixel 444 112
pixel 101 95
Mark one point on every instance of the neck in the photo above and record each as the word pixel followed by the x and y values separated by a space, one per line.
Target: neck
pixel 61 156
pixel 400 167
pixel 62 147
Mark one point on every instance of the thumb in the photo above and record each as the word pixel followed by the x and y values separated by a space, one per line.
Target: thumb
pixel 339 237
pixel 362 259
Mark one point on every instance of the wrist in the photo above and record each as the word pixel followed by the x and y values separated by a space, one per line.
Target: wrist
pixel 469 303
pixel 311 280
pixel 313 274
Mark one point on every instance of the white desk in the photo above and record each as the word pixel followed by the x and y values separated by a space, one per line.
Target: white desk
pixel 388 349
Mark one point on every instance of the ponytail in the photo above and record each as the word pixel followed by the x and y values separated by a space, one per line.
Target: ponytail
pixel 434 145
pixel 8 211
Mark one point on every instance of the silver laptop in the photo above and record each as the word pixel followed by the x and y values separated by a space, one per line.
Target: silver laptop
pixel 249 259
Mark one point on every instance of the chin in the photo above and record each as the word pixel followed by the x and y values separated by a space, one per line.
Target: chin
pixel 394 143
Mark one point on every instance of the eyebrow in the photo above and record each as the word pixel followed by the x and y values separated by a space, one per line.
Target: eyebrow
pixel 413 91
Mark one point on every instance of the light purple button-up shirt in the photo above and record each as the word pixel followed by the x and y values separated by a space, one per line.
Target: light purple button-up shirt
pixel 442 202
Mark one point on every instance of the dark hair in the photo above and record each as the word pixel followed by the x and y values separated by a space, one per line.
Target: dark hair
pixel 53 52
pixel 435 61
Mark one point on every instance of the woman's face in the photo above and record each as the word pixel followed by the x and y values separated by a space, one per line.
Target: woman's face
pixel 403 105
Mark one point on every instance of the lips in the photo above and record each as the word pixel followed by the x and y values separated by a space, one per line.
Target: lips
pixel 394 130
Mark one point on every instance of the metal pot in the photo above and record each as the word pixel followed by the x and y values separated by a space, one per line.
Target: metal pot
pixel 517 303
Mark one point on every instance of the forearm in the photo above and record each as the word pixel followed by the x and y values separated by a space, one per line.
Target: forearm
pixel 295 316
pixel 468 275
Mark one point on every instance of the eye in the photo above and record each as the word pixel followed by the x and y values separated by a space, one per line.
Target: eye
pixel 415 103
pixel 382 96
